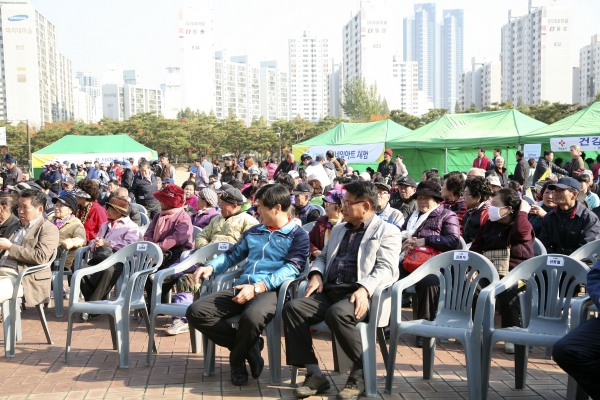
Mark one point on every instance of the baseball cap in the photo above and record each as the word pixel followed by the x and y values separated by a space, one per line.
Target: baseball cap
pixel 494 180
pixel 566 183
pixel 380 183
pixel 407 181
pixel 302 188
pixel 69 180
pixel 234 196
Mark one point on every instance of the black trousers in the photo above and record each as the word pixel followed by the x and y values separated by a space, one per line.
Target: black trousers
pixel 153 209
pixel 507 304
pixel 97 286
pixel 428 295
pixel 332 306
pixel 209 314
pixel 171 258
pixel 578 354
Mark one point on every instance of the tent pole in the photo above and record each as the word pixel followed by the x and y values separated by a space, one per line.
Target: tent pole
pixel 446 161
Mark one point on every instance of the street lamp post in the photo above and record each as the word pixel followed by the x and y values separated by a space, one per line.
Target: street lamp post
pixel 280 150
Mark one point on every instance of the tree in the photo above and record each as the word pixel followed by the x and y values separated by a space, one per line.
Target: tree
pixel 432 115
pixel 385 110
pixel 405 119
pixel 360 101
pixel 457 108
pixel 597 98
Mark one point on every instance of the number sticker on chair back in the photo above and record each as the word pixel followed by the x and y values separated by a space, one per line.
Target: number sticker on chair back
pixel 550 288
pixel 138 257
pixel 460 273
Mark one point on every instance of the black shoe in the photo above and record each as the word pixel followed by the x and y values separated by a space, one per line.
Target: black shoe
pixel 419 341
pixel 255 360
pixel 239 375
pixel 312 385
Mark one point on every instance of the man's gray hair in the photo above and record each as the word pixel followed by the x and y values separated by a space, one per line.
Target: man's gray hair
pixel 476 172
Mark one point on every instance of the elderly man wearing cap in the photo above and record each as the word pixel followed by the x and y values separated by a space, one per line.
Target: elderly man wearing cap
pixel 570 225
pixel 383 210
pixel 231 224
pixel 407 187
pixel 70 229
pixel 13 174
pixel 276 251
pixel 80 173
pixel 315 170
pixel 117 232
pixel 305 211
pixel 67 185
pixel 170 229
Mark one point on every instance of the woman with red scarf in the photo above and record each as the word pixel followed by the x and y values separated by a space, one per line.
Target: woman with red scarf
pixel 171 229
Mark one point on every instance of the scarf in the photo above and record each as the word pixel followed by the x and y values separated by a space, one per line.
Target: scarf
pixel 330 224
pixel 162 220
pixel 82 213
pixel 59 223
pixel 413 223
pixel 448 204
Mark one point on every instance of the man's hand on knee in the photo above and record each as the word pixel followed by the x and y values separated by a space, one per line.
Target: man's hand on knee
pixel 244 293
pixel 315 284
pixel 360 299
pixel 203 273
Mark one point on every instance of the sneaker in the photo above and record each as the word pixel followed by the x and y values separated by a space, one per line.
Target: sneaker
pixel 312 385
pixel 355 387
pixel 509 348
pixel 178 327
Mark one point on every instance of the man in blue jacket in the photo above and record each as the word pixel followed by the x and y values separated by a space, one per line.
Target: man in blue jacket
pixel 578 353
pixel 276 251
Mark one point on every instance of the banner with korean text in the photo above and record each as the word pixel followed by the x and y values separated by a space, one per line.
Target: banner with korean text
pixel 352 153
pixel 588 143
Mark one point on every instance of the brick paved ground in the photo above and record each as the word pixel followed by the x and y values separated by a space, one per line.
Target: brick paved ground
pixel 39 372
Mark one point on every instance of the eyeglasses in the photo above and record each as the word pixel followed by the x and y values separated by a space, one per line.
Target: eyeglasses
pixel 351 203
pixel 254 180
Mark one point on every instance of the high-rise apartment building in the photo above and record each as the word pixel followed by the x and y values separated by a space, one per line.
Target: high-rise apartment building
pixel 368 46
pixel 121 100
pixel 589 71
pixel 536 55
pixel 36 80
pixel 405 87
pixel 171 92
pixel 481 85
pixel 309 77
pixel 83 104
pixel 90 84
pixel 336 85
pixel 196 38
pixel 274 92
pixel 419 43
pixel 452 54
pixel 237 88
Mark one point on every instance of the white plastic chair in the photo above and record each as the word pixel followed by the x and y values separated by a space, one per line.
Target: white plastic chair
pixel 459 273
pixel 145 225
pixel 202 255
pixel 551 280
pixel 308 227
pixel 225 281
pixel 321 209
pixel 370 333
pixel 139 260
pixel 11 313
pixel 538 248
pixel 589 251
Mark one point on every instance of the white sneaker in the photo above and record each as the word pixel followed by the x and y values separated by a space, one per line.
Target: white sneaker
pixel 509 348
pixel 178 327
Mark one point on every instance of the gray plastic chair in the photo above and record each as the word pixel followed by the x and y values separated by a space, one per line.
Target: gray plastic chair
pixel 458 282
pixel 462 245
pixel 202 255
pixel 589 251
pixel 225 281
pixel 370 333
pixel 145 225
pixel 140 208
pixel 196 232
pixel 139 260
pixel 551 280
pixel 58 283
pixel 580 312
pixel 11 312
pixel 320 208
pixel 308 227
pixel 538 248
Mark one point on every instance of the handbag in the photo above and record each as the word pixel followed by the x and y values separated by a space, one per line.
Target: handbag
pixel 500 258
pixel 100 254
pixel 417 256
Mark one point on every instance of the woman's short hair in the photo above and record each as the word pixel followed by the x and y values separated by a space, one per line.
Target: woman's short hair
pixel 584 178
pixel 286 180
pixel 316 185
pixel 545 186
pixel 479 187
pixel 532 162
pixel 273 194
pixel 509 197
pixel 186 183
pixel 90 187
pixel 455 183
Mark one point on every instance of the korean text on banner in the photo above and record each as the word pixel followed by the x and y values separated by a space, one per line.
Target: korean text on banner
pixel 588 143
pixel 532 151
pixel 357 153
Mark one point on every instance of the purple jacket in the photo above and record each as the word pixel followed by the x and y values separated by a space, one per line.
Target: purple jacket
pixel 202 218
pixel 440 230
pixel 177 231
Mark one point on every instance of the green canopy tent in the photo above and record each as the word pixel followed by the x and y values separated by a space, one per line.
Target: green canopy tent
pixel 449 142
pixel 76 149
pixel 360 144
pixel 581 128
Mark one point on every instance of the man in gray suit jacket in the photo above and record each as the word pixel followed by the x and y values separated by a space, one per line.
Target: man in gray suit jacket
pixel 361 254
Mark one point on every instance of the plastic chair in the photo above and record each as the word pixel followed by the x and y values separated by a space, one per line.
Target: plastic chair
pixel 551 280
pixel 589 251
pixel 145 225
pixel 202 255
pixel 195 233
pixel 11 313
pixel 308 227
pixel 370 332
pixel 58 284
pixel 140 208
pixel 459 272
pixel 225 281
pixel 538 248
pixel 462 245
pixel 580 312
pixel 139 260
pixel 321 209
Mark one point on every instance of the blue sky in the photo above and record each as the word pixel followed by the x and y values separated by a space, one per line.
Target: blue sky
pixel 142 34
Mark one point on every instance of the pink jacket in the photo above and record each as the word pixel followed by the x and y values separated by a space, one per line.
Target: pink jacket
pixel 177 231
pixel 120 233
pixel 271 167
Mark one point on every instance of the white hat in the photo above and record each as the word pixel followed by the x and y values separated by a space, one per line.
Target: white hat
pixel 494 180
pixel 293 174
pixel 366 176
